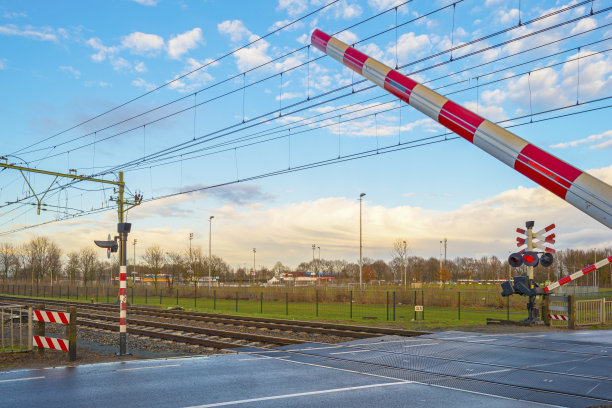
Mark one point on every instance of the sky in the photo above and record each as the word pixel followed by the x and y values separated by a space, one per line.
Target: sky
pixel 215 108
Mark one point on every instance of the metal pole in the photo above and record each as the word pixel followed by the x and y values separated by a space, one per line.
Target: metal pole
pixel 393 305
pixel 360 244
pixel 209 249
pixel 134 267
pixel 254 251
pixel 459 305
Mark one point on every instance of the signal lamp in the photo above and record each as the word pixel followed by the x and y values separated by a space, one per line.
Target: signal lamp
pixel 515 260
pixel 531 258
pixel 546 259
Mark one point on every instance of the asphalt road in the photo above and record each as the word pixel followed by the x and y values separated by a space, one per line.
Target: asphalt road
pixel 438 370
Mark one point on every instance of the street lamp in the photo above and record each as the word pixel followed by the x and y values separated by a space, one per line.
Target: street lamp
pixel 405 271
pixel 209 248
pixel 360 244
pixel 319 263
pixel 134 271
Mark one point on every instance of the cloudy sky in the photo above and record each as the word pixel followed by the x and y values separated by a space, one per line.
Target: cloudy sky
pixel 215 108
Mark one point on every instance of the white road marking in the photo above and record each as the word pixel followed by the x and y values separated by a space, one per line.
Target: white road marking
pixel 300 394
pixel 148 367
pixel 422 344
pixel 488 372
pixel 22 379
pixel 354 351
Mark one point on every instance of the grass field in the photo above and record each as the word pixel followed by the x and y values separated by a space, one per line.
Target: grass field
pixel 401 316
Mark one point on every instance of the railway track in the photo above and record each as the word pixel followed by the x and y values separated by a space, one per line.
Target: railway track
pixel 191 327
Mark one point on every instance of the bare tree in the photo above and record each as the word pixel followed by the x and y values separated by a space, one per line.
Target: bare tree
pixel 154 257
pixel 42 258
pixel 87 264
pixel 176 266
pixel 73 267
pixel 400 251
pixel 8 260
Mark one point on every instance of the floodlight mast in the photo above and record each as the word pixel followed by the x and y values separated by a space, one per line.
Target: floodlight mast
pixel 123 206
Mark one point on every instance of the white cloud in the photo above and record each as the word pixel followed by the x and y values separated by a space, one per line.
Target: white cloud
pixel 508 16
pixel 141 83
pixel 143 43
pixel 292 7
pixel 491 112
pixel 197 79
pixel 2 64
pixel 584 25
pixel 9 15
pixel 103 51
pixel 235 29
pixel 606 137
pixel 347 10
pixel 36 33
pixel 348 37
pixel 182 43
pixel 147 2
pixel 252 56
pixel 120 64
pixel 70 70
pixel 303 39
pixel 140 67
pixel 331 223
pixel 410 44
pixel 283 23
pixel 382 5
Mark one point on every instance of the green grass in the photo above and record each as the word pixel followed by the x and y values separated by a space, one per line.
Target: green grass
pixel 337 312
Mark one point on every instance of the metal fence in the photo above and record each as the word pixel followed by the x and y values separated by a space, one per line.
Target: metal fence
pixel 16 328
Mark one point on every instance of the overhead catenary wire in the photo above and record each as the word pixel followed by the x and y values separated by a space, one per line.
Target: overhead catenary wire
pixel 359 82
pixel 259 38
pixel 452 73
pixel 569 7
pixel 389 149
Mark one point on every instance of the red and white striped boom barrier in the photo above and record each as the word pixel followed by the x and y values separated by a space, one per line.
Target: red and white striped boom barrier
pixel 578 274
pixel 585 192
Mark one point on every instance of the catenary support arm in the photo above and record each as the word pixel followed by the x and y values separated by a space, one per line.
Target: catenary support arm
pixel 585 192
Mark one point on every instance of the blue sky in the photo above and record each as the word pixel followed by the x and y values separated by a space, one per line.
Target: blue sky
pixel 62 65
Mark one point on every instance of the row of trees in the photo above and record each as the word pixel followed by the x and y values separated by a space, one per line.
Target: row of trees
pixel 40 259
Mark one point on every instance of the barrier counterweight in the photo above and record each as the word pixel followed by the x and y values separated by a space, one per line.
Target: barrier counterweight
pixel 585 192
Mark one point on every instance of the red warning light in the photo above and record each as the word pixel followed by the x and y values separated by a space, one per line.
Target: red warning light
pixel 529 258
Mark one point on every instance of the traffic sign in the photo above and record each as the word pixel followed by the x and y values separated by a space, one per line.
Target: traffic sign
pixel 418 308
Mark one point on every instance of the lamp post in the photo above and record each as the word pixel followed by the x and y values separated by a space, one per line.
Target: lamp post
pixel 254 251
pixel 134 270
pixel 313 258
pixel 195 281
pixel 405 271
pixel 209 248
pixel 360 244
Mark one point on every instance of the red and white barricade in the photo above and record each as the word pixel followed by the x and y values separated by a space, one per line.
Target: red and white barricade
pixel 67 345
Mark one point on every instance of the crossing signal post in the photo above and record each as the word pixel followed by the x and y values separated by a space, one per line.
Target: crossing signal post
pixel 525 285
pixel 123 206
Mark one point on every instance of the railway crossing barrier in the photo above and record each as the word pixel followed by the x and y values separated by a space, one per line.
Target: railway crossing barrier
pixel 68 345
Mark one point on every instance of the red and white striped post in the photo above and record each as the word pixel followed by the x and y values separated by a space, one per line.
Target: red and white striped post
pixel 585 192
pixel 123 228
